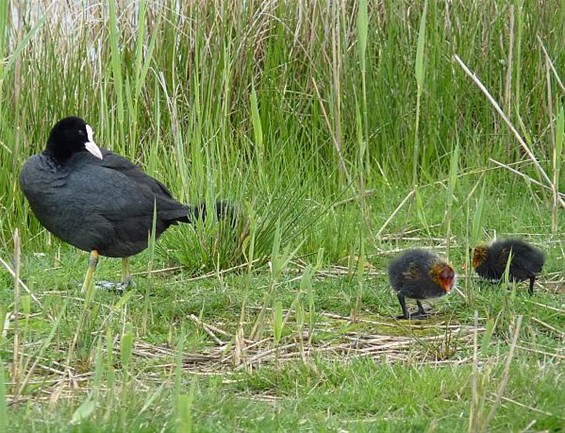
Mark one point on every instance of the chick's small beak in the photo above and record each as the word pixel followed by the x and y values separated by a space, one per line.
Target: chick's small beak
pixel 447 285
pixel 90 145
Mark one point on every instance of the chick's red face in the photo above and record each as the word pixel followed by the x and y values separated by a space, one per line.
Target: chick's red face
pixel 443 275
pixel 446 278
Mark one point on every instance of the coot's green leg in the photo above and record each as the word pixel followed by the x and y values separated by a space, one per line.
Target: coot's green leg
pixel 92 262
pixel 127 281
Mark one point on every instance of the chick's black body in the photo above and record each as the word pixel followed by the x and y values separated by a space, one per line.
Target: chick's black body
pixel 419 274
pixel 95 199
pixel 526 261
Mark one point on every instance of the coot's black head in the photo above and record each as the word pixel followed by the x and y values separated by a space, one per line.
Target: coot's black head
pixel 69 136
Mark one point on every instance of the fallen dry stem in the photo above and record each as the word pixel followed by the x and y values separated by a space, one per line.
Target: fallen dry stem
pixel 528 178
pixel 504 117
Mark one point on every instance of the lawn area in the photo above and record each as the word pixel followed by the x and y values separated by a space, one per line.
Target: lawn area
pixel 343 133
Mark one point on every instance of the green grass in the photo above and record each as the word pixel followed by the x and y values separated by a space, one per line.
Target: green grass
pixel 343 133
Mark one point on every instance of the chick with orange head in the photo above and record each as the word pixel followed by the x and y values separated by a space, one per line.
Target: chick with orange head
pixel 419 274
pixel 524 261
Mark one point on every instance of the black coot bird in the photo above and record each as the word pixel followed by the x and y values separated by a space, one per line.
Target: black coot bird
pixel 97 200
pixel 526 261
pixel 419 274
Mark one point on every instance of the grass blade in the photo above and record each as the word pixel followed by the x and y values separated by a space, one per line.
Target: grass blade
pixel 557 155
pixel 451 184
pixel 3 401
pixel 116 64
pixel 420 74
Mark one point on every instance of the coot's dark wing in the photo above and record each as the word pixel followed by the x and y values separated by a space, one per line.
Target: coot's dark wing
pixel 125 197
pixel 116 162
pixel 105 204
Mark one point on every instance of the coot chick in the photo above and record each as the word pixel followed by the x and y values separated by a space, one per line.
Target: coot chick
pixel 98 201
pixel 419 274
pixel 526 261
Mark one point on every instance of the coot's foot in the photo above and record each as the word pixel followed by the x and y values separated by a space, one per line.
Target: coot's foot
pixel 112 286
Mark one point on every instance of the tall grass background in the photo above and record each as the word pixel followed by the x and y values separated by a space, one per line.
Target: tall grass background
pixel 263 100
pixel 341 132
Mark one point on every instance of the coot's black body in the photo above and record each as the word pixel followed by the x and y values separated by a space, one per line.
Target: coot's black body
pixel 95 199
pixel 98 204
pixel 526 261
pixel 419 274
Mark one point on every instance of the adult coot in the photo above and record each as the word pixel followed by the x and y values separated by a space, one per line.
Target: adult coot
pixel 525 261
pixel 419 274
pixel 97 200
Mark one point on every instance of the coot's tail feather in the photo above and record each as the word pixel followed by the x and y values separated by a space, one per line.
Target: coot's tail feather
pixel 223 210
